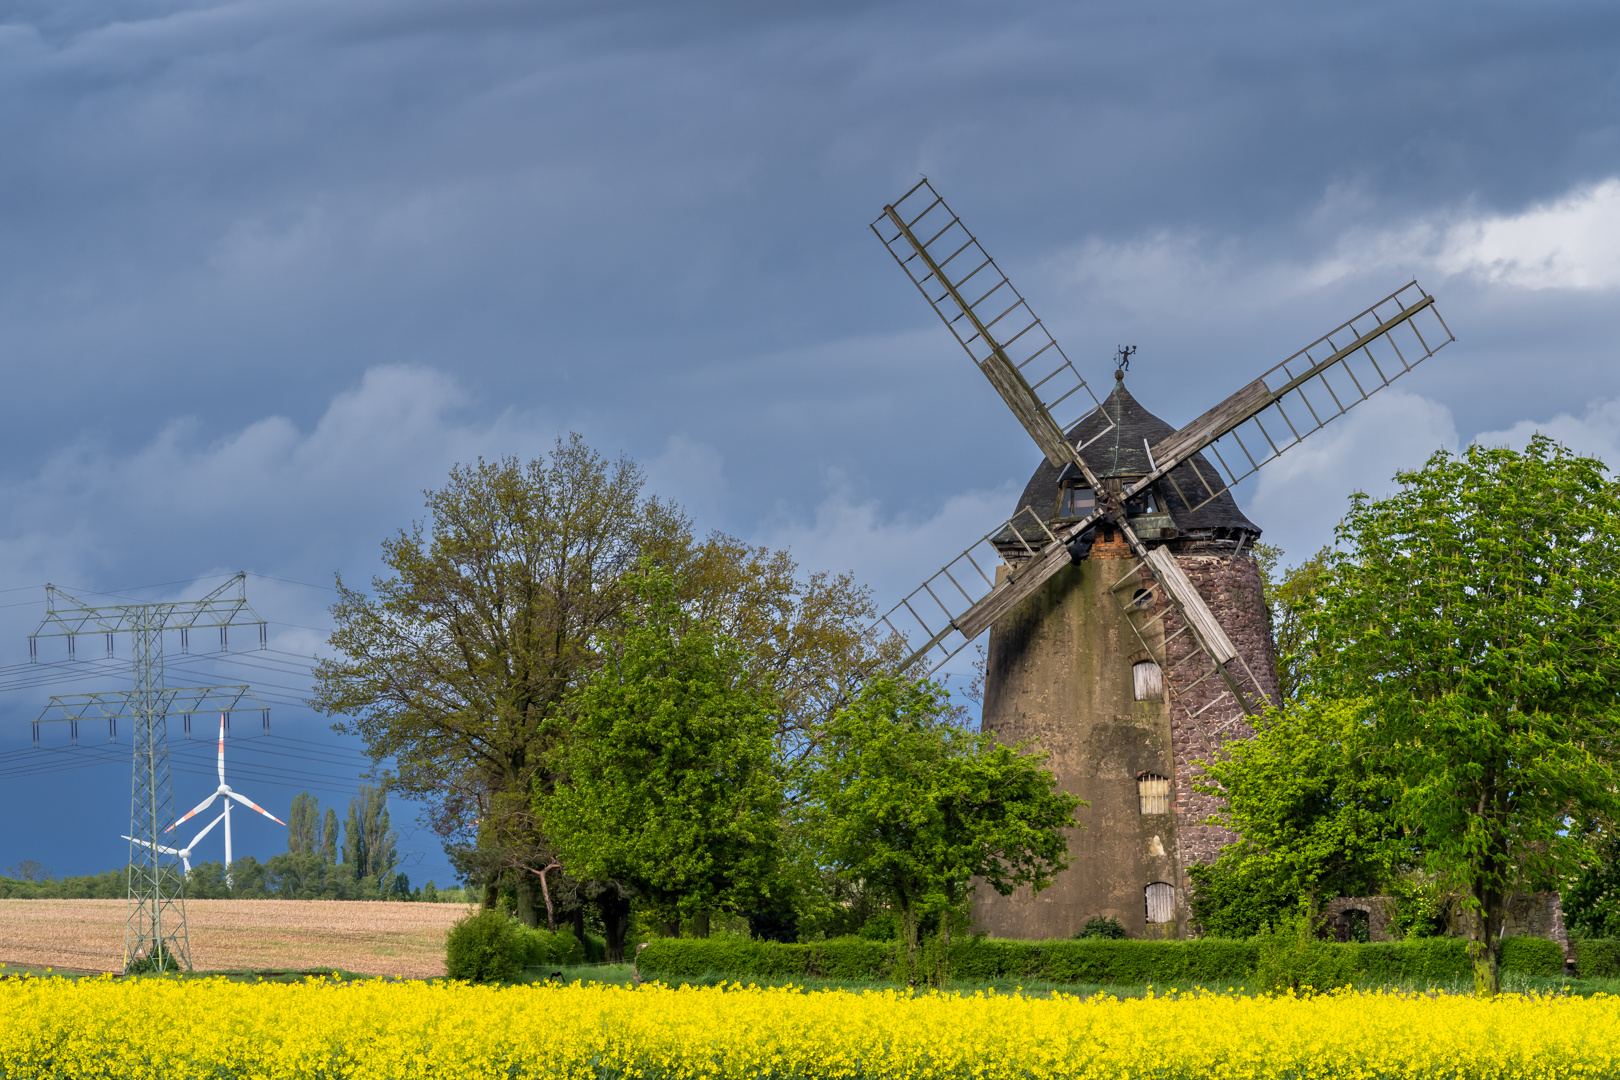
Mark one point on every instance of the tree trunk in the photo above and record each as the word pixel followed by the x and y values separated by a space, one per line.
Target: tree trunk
pixel 700 925
pixel 545 890
pixel 670 927
pixel 576 919
pixel 492 895
pixel 523 888
pixel 615 911
pixel 1485 941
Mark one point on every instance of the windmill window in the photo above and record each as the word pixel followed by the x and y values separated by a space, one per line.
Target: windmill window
pixel 1147 680
pixel 1153 792
pixel 1144 503
pixel 1076 502
pixel 1141 598
pixel 1161 902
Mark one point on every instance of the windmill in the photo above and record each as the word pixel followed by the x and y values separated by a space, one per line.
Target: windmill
pixel 225 790
pixel 183 854
pixel 1098 591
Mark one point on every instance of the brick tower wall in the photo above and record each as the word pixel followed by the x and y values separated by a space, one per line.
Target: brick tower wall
pixel 1231 588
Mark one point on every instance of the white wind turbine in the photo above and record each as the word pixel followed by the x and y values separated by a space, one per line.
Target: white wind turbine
pixel 185 852
pixel 225 790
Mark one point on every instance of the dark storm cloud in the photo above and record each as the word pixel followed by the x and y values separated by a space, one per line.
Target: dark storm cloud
pixel 268 269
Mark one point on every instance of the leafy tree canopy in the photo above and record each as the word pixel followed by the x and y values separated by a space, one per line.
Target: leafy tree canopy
pixel 1474 616
pixel 916 807
pixel 667 780
pixel 1314 821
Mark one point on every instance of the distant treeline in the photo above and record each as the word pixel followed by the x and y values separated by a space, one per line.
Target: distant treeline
pixel 324 861
pixel 283 877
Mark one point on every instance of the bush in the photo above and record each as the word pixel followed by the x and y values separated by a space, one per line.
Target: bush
pixel 486 948
pixel 542 948
pixel 1291 962
pixel 1099 927
pixel 1597 958
pixel 1531 956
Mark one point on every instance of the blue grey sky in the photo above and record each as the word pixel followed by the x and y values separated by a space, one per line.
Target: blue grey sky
pixel 267 270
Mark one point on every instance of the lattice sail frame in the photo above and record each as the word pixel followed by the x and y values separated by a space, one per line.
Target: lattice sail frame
pixel 1303 394
pixel 989 318
pixel 1298 396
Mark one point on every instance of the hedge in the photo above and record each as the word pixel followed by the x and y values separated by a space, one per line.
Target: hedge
pixel 1597 958
pixel 1092 960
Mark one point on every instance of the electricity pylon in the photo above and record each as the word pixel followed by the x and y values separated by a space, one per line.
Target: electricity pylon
pixel 156 929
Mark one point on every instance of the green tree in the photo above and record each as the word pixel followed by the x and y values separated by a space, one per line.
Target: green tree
pixel 1591 894
pixel 304 825
pixel 1474 616
pixel 457 664
pixel 1314 821
pixel 917 807
pixel 1290 595
pixel 369 842
pixel 665 764
pixel 329 838
pixel 462 656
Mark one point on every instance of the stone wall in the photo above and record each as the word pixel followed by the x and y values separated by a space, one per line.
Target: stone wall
pixel 1231 588
pixel 1528 915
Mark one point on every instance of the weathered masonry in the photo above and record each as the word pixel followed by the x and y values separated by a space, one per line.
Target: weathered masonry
pixel 1068 668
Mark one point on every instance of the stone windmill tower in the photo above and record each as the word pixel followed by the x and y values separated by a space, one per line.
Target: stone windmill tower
pixel 1127 631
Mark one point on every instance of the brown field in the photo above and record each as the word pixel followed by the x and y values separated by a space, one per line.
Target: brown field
pixel 371 937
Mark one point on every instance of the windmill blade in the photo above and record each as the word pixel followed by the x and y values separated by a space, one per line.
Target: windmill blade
pixel 194 811
pixel 941 616
pixel 990 319
pixel 245 801
pixel 221 748
pixel 1299 396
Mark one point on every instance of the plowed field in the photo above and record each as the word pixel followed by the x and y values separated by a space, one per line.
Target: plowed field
pixel 372 937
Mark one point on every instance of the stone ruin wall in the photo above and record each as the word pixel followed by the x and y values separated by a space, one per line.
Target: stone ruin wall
pixel 1232 589
pixel 1528 915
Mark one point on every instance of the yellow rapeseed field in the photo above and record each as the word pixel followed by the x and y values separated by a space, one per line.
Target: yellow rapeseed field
pixel 401 1031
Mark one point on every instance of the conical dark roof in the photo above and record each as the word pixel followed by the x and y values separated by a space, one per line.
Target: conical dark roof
pixel 1122 453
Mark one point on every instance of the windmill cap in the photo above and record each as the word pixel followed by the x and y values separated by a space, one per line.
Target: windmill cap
pixel 1121 453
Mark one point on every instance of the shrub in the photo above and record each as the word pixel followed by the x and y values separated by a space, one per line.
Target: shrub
pixel 1597 958
pixel 1099 927
pixel 1290 961
pixel 1531 956
pixel 485 948
pixel 543 948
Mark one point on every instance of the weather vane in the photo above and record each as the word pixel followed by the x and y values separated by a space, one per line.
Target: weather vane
pixel 1122 359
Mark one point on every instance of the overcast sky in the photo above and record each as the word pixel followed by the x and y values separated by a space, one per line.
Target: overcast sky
pixel 267 270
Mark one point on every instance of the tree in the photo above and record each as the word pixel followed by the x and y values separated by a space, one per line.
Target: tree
pixel 918 807
pixel 1591 894
pixel 462 657
pixel 456 666
pixel 664 759
pixel 1474 619
pixel 811 636
pixel 1289 598
pixel 329 838
pixel 368 842
pixel 1314 822
pixel 304 825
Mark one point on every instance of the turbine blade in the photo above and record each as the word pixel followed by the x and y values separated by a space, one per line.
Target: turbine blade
pixel 222 748
pixel 245 801
pixel 206 829
pixel 195 810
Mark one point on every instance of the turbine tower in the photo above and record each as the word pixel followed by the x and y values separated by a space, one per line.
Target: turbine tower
pixel 225 790
pixel 156 929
